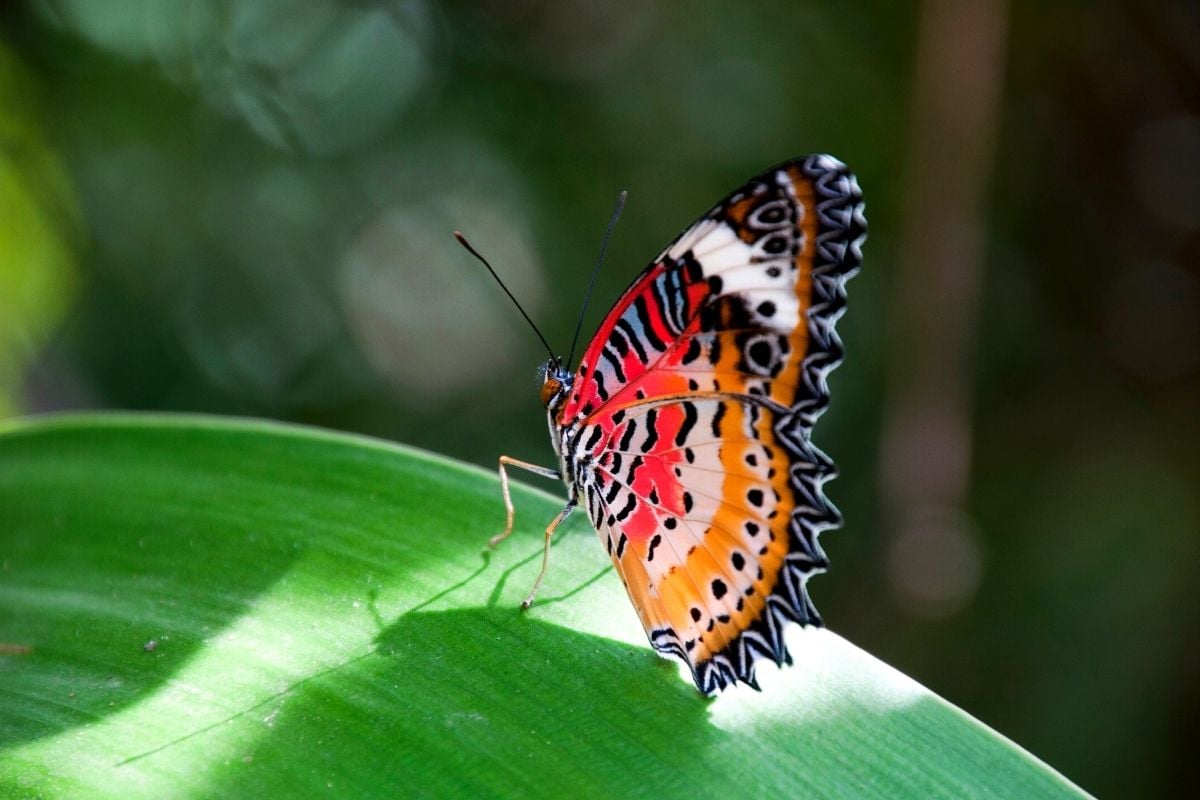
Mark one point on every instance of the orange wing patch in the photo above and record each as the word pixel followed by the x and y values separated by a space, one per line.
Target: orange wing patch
pixel 710 549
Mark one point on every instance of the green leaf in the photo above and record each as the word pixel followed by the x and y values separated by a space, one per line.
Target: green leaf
pixel 195 607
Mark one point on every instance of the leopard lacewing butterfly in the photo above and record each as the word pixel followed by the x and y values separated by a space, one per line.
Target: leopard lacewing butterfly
pixel 685 432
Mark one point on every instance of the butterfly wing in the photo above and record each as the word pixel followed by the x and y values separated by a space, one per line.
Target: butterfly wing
pixel 688 425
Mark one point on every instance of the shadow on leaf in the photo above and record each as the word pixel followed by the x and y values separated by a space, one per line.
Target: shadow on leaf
pixel 486 701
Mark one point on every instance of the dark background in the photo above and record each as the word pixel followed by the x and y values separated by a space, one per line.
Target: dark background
pixel 245 208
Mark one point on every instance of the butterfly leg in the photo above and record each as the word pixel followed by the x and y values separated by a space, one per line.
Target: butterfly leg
pixel 537 584
pixel 505 461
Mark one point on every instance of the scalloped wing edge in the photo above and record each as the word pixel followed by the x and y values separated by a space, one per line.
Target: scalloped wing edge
pixel 840 210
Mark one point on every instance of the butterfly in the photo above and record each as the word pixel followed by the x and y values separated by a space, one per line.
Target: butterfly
pixel 685 432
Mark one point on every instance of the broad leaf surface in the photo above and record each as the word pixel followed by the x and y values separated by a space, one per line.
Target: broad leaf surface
pixel 192 607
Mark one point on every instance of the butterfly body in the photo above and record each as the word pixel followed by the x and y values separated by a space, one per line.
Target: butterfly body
pixel 685 431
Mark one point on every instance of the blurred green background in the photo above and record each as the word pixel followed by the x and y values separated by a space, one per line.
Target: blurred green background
pixel 246 208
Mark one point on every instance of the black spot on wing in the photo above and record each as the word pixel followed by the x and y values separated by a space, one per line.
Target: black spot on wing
pixel 671 298
pixel 690 267
pixel 690 415
pixel 639 306
pixel 618 341
pixel 655 541
pixel 601 392
pixel 627 438
pixel 771 214
pixel 634 340
pixel 716 420
pixel 775 244
pixel 627 509
pixel 634 466
pixel 651 431
pixel 594 439
pixel 614 362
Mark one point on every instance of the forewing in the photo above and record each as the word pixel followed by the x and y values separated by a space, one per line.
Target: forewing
pixel 742 302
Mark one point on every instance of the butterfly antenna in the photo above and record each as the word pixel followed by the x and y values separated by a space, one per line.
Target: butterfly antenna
pixel 463 241
pixel 612 223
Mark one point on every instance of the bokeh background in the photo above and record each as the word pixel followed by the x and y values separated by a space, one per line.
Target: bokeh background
pixel 246 208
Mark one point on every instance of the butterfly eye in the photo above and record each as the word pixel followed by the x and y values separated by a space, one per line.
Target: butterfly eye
pixel 550 388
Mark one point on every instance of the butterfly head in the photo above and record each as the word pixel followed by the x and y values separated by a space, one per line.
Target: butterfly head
pixel 556 384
